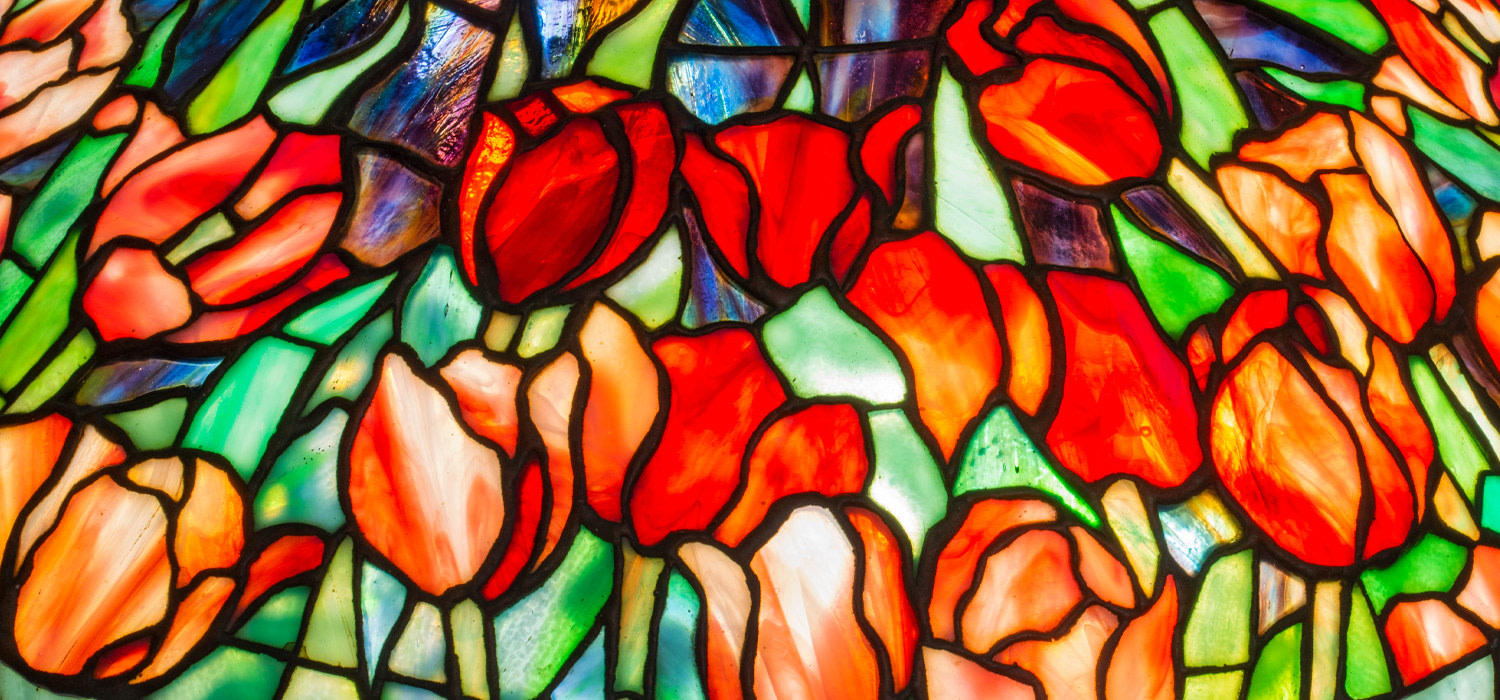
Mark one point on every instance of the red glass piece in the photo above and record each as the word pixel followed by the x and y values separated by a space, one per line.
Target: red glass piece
pixel 877 153
pixel 929 302
pixel 720 391
pixel 850 239
pixel 490 155
pixel 724 198
pixel 953 575
pixel 288 556
pixel 1026 335
pixel 1258 312
pixel 267 256
pixel 302 160
pixel 523 535
pixel 1371 257
pixel 978 54
pixel 653 156
pixel 534 113
pixel 1437 58
pixel 1426 635
pixel 133 296
pixel 232 323
pixel 1045 37
pixel 886 605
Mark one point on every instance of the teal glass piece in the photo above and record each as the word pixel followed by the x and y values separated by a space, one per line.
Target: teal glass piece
pixel 60 202
pixel 1197 527
pixel 401 691
pixel 329 321
pixel 14 685
pixel 1432 565
pixel 381 598
pixel 823 352
pixel 302 485
pixel 907 481
pixel 279 619
pixel 677 676
pixel 1212 112
pixel 1490 501
pixel 355 363
pixel 1473 682
pixel 971 208
pixel 535 637
pixel 585 678
pixel 1001 455
pixel 439 311
pixel 247 403
pixel 227 673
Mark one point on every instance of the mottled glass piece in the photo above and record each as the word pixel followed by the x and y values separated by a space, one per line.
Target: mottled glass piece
pixel 742 83
pixel 395 210
pixel 125 381
pixel 737 23
pixel 355 22
pixel 854 84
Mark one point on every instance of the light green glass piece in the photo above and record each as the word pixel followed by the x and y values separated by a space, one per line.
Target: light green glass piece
pixel 439 311
pixel 15 686
pixel 1365 672
pixel 153 427
pixel 307 683
pixel 1131 522
pixel 330 628
pixel 1348 20
pixel 1461 453
pixel 208 232
pixel 1001 455
pixel 148 68
pixel 677 675
pixel 908 483
pixel 467 623
pixel 970 208
pixel 381 598
pixel 355 363
pixel 1278 671
pixel 501 330
pixel 302 486
pixel 535 637
pixel 1212 112
pixel 234 90
pixel 638 580
pixel 1178 289
pixel 1432 565
pixel 1338 92
pixel 57 373
pixel 401 691
pixel 420 650
pixel 1458 151
pixel 308 100
pixel 278 620
pixel 823 352
pixel 1473 682
pixel 42 319
pixel 514 64
pixel 651 291
pixel 246 404
pixel 803 9
pixel 227 673
pixel 543 329
pixel 1457 381
pixel 801 98
pixel 1218 630
pixel 1212 686
pixel 629 52
pixel 14 283
pixel 59 202
pixel 1203 200
pixel 330 320
pixel 585 678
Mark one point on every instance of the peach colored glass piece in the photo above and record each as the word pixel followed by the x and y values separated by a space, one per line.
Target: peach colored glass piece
pixel 1066 666
pixel 486 392
pixel 1038 563
pixel 133 296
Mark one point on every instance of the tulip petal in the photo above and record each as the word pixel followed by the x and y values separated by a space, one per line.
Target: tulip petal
pixel 954 573
pixel 195 615
pixel 653 156
pixel 1142 666
pixel 210 526
pixel 550 398
pixel 727 597
pixel 486 392
pixel 1371 257
pixel 133 296
pixel 1426 635
pixel 1068 665
pixel 1039 562
pixel 622 406
pixel 954 677
pixel 1287 223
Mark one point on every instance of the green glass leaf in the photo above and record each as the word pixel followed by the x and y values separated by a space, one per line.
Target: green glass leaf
pixel 246 404
pixel 308 99
pixel 467 623
pixel 57 373
pixel 907 481
pixel 535 637
pixel 629 52
pixel 515 64
pixel 970 209
pixel 307 683
pixel 14 283
pixel 1348 20
pixel 1431 565
pixel 279 619
pixel 823 352
pixel 302 486
pixel 1212 112
pixel 1218 630
pixel 677 675
pixel 208 232
pixel 42 319
pixel 330 628
pixel 651 291
pixel 330 320
pixel 235 89
pixel 227 673
pixel 1278 671
pixel 153 427
pixel 439 311
pixel 1178 289
pixel 543 329
pixel 1002 455
pixel 148 68
pixel 1338 92
pixel 1461 452
pixel 1365 672
pixel 1213 686
pixel 1459 151
pixel 61 201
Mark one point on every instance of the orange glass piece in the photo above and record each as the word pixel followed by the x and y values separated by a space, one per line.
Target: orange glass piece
pixel 1438 59
pixel 819 449
pixel 886 605
pixel 1142 667
pixel 720 390
pixel 267 256
pixel 929 302
pixel 496 144
pixel 133 296
pixel 301 160
pixel 195 614
pixel 1368 252
pixel 1026 335
pixel 586 96
pixel 210 526
pixel 953 576
pixel 29 450
pixel 1284 220
pixel 155 134
pixel 44 21
pixel 1074 123
pixel 1481 593
pixel 1320 143
pixel 1201 356
pixel 1045 37
pixel 957 678
pixel 800 171
pixel 1127 404
pixel 1426 635
pixel 1067 666
pixel 424 493
pixel 1038 562
pixel 1101 572
pixel 486 392
pixel 727 604
pixel 1487 317
pixel 550 400
pixel 964 37
pixel 118 113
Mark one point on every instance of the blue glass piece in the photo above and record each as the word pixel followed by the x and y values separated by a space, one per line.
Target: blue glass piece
pixel 380 599
pixel 147 13
pixel 1246 34
pixel 712 297
pixel 1161 212
pixel 395 210
pixel 425 103
pixel 1455 203
pixel 355 22
pixel 715 88
pixel 676 638
pixel 585 679
pixel 214 30
pixel 1195 528
pixel 857 83
pixel 1270 104
pixel 738 23
pixel 872 21
pixel 123 381
pixel 27 173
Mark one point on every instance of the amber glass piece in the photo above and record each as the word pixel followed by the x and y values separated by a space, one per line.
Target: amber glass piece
pixel 587 96
pixel 1026 335
pixel 1320 143
pixel 622 406
pixel 1127 404
pixel 1369 254
pixel 210 526
pixel 550 398
pixel 1142 665
pixel 425 494
pixel 1284 220
pixel 1068 665
pixel 920 292
pixel 720 390
pixel 1426 635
